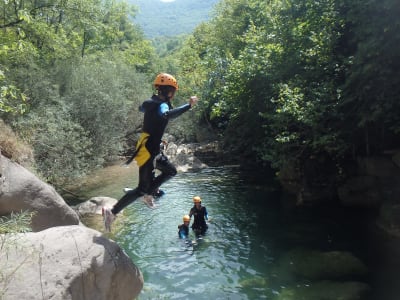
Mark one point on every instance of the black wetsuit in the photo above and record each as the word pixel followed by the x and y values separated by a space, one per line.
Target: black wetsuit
pixel 199 225
pixel 157 113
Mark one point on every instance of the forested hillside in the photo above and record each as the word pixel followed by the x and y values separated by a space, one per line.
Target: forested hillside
pixel 279 81
pixel 158 18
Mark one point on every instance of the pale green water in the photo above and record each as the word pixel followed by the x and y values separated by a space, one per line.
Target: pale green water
pixel 248 232
pixel 230 253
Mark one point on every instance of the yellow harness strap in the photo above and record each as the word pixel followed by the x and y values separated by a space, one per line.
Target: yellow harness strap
pixel 142 154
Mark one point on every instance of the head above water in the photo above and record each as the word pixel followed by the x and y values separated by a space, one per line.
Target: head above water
pixel 186 218
pixel 196 199
pixel 166 85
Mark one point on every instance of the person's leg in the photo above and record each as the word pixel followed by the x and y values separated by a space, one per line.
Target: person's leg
pixel 145 179
pixel 168 171
pixel 127 199
pixel 146 176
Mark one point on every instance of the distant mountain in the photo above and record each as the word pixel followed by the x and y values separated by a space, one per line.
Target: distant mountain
pixel 171 17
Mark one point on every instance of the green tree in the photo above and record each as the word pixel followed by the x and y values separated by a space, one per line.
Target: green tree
pixel 77 64
pixel 288 80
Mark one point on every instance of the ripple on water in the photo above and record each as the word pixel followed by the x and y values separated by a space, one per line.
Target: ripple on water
pixel 213 267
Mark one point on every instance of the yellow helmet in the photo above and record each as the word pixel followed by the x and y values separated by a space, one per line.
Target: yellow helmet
pixel 186 218
pixel 165 79
pixel 196 199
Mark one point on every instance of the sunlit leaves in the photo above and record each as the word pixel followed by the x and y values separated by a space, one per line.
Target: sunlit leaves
pixel 12 100
pixel 291 101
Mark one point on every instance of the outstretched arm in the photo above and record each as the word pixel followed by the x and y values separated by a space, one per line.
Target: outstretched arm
pixel 176 112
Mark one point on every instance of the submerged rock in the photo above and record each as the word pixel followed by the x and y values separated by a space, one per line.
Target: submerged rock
pixel 326 290
pixel 303 263
pixel 254 282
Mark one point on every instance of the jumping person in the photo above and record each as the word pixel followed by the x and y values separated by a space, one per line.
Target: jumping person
pixel 157 110
pixel 200 214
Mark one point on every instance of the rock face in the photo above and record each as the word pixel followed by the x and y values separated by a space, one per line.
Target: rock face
pixel 20 190
pixel 67 262
pixel 183 157
pixel 94 205
pixel 369 181
pixel 377 180
pixel 361 191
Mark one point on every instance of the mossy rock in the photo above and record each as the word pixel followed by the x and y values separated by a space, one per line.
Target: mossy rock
pixel 254 282
pixel 308 264
pixel 326 290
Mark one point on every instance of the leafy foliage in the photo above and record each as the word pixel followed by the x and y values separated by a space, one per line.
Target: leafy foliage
pixel 288 80
pixel 15 223
pixel 75 74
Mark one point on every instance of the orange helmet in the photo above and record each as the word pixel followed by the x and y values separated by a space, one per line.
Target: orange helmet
pixel 165 79
pixel 186 218
pixel 196 199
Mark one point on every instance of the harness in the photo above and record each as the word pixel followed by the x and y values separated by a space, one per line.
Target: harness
pixel 141 154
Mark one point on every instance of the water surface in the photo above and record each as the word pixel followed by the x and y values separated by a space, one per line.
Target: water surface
pixel 249 229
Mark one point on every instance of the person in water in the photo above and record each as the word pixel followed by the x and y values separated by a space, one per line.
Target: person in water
pixel 183 229
pixel 157 110
pixel 200 215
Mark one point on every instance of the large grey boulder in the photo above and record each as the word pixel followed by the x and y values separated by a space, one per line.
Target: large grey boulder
pixel 94 205
pixel 20 190
pixel 183 157
pixel 67 262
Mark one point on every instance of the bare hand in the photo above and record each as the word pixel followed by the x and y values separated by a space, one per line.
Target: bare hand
pixel 193 101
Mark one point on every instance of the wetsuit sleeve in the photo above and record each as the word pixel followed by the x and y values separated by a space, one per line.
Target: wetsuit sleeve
pixel 164 108
pixel 205 213
pixel 167 113
pixel 181 232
